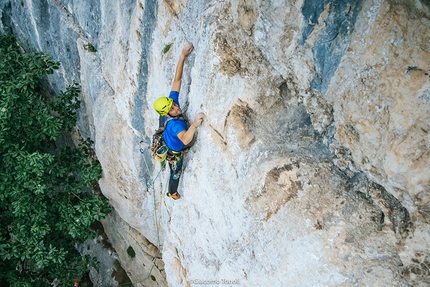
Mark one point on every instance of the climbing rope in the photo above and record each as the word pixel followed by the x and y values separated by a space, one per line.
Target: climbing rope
pixel 156 220
pixel 155 206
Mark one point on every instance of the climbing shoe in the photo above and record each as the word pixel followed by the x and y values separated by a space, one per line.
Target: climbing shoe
pixel 175 196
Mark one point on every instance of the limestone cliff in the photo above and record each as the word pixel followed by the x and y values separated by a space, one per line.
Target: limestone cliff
pixel 312 166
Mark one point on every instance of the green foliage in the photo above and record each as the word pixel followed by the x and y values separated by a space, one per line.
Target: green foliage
pixel 131 252
pixel 91 48
pixel 47 201
pixel 166 48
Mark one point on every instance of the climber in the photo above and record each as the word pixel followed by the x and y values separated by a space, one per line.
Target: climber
pixel 178 136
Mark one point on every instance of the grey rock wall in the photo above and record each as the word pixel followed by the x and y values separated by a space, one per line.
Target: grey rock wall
pixel 311 168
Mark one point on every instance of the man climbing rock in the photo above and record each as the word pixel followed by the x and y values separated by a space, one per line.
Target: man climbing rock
pixel 178 136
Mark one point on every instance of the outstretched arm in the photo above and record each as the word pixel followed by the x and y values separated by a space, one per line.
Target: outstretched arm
pixel 177 81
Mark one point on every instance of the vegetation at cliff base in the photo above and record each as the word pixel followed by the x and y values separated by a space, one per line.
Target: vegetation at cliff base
pixel 47 195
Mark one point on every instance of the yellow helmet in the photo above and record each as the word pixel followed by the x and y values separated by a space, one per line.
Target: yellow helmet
pixel 162 105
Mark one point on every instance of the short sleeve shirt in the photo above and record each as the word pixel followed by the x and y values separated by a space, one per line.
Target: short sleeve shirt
pixel 174 127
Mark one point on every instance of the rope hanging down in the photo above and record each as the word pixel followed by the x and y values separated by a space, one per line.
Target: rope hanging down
pixel 156 219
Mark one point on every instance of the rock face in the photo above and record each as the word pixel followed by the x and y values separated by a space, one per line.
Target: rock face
pixel 312 166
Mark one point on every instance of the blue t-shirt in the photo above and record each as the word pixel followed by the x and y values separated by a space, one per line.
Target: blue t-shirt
pixel 174 127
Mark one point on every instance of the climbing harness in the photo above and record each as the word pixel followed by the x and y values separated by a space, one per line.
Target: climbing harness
pixel 161 152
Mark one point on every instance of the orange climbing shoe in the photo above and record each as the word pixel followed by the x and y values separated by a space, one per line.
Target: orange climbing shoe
pixel 175 196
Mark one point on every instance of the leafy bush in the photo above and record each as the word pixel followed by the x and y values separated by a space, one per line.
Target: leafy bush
pixel 47 198
pixel 131 252
pixel 91 48
pixel 166 48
